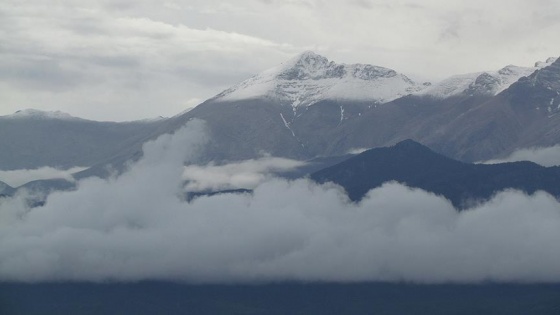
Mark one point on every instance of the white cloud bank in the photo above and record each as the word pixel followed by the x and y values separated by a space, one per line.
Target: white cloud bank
pixel 245 174
pixel 135 227
pixel 16 178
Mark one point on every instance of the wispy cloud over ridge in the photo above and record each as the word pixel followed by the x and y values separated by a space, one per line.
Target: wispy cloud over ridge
pixel 245 174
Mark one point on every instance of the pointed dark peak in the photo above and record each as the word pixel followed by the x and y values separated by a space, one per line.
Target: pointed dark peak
pixel 407 151
pixel 412 147
pixel 409 143
pixel 406 147
pixel 459 182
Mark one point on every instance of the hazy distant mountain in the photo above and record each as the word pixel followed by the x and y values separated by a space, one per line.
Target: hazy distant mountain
pixel 32 138
pixel 417 166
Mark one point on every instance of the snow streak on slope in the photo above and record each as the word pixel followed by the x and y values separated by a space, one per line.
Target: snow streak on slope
pixel 309 78
pixel 482 83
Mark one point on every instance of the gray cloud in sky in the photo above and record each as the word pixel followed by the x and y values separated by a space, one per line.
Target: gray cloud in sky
pixel 118 60
pixel 363 4
pixel 135 227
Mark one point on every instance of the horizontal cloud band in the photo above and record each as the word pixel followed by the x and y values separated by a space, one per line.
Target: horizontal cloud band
pixel 135 227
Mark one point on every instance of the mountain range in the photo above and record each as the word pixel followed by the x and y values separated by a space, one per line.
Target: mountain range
pixel 464 184
pixel 357 126
pixel 408 162
pixel 310 107
pixel 296 111
pixel 31 139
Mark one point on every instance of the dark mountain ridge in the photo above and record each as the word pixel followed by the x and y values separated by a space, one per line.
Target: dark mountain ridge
pixel 6 190
pixel 415 165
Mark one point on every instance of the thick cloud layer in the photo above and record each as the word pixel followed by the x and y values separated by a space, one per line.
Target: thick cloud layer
pixel 245 174
pixel 135 227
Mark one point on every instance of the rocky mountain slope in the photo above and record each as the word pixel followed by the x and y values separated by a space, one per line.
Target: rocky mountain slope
pixel 524 115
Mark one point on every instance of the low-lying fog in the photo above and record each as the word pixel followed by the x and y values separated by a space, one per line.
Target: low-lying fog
pixel 136 226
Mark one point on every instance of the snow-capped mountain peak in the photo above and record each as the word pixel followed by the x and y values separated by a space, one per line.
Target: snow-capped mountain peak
pixel 483 83
pixel 309 78
pixel 548 62
pixel 307 65
pixel 311 66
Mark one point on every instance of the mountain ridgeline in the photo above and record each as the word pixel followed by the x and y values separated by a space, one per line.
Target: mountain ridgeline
pixel 310 107
pixel 416 166
pixel 32 139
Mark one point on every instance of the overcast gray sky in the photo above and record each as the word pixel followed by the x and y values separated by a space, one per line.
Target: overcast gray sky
pixel 134 59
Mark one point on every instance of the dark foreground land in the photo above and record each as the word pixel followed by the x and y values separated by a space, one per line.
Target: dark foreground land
pixel 370 298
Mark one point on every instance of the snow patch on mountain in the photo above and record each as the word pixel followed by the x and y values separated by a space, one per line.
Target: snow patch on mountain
pixel 39 114
pixel 309 78
pixel 482 83
pixel 548 62
pixel 36 114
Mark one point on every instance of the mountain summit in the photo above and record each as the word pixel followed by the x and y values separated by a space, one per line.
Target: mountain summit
pixel 309 78
pixel 415 165
pixel 488 83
